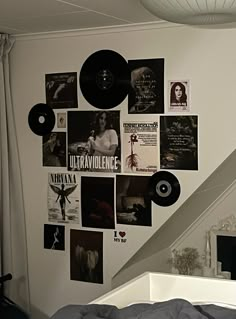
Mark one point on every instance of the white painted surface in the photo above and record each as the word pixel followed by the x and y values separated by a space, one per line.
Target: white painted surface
pixel 206 57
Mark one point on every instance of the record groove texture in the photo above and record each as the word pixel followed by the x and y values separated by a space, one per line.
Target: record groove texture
pixel 41 119
pixel 164 188
pixel 105 79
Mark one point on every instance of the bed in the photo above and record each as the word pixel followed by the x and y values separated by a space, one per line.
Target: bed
pixel 161 296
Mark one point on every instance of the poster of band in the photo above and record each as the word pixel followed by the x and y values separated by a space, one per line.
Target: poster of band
pixel 94 141
pixel 86 256
pixel 97 202
pixel 140 151
pixel 54 149
pixel 147 83
pixel 179 96
pixel 61 90
pixel 179 142
pixel 63 197
pixel 133 205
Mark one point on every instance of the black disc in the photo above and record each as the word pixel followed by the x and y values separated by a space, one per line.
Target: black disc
pixel 164 188
pixel 41 119
pixel 105 79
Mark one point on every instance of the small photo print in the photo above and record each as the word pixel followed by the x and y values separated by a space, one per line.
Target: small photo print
pixel 54 149
pixel 61 90
pixel 61 120
pixel 54 237
pixel 179 96
pixel 86 256
pixel 133 204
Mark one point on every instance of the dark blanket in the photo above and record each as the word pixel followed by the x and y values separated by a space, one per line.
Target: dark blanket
pixel 172 309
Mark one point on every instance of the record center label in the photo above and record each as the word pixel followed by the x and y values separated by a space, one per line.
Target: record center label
pixel 104 79
pixel 93 162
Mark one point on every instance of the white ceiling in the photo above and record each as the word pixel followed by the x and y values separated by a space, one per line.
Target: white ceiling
pixel 33 16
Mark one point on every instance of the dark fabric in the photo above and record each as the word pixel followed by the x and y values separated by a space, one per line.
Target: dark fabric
pixel 171 309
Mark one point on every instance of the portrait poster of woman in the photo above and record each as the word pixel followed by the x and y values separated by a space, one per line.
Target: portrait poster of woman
pixel 54 149
pixel 94 141
pixel 179 96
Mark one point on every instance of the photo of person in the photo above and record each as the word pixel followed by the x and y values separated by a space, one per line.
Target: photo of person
pixel 179 93
pixel 133 205
pixel 61 120
pixel 61 90
pixel 147 86
pixel 86 256
pixel 54 149
pixel 54 237
pixel 179 142
pixel 97 202
pixel 94 141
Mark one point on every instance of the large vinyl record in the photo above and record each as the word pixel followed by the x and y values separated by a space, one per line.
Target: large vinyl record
pixel 105 79
pixel 164 188
pixel 41 119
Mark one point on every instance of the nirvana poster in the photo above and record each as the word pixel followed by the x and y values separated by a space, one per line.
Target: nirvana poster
pixel 140 151
pixel 147 86
pixel 179 142
pixel 94 141
pixel 63 198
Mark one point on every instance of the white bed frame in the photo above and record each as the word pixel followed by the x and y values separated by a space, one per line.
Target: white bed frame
pixel 161 287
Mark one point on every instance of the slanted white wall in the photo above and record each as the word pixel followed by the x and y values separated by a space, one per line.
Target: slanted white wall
pixel 205 57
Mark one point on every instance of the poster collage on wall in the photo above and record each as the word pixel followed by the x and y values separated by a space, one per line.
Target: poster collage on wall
pixel 99 141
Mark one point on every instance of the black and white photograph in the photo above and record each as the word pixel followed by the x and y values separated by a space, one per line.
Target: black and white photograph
pixel 54 237
pixel 179 96
pixel 179 142
pixel 140 147
pixel 133 204
pixel 86 256
pixel 61 90
pixel 147 86
pixel 54 149
pixel 97 202
pixel 94 141
pixel 63 198
pixel 61 120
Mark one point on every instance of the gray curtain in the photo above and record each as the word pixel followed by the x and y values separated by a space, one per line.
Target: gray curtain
pixel 12 214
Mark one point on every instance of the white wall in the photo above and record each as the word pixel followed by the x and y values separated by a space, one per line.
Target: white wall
pixel 205 57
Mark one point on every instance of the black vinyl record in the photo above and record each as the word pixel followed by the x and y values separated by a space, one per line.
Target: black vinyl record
pixel 105 79
pixel 41 119
pixel 164 188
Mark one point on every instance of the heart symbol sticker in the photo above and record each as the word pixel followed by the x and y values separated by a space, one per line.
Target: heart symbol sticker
pixel 122 234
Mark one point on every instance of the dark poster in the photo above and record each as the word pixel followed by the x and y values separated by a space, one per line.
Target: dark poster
pixel 133 205
pixel 61 90
pixel 54 149
pixel 94 141
pixel 147 86
pixel 97 202
pixel 54 237
pixel 179 142
pixel 86 256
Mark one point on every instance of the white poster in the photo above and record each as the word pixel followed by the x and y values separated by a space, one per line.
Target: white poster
pixel 140 147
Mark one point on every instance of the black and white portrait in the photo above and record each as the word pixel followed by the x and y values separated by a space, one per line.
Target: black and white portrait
pixel 54 237
pixel 179 96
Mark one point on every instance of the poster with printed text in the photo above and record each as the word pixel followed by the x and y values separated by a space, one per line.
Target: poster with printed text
pixel 61 90
pixel 147 86
pixel 133 205
pixel 94 141
pixel 179 99
pixel 63 197
pixel 140 147
pixel 179 142
pixel 86 256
